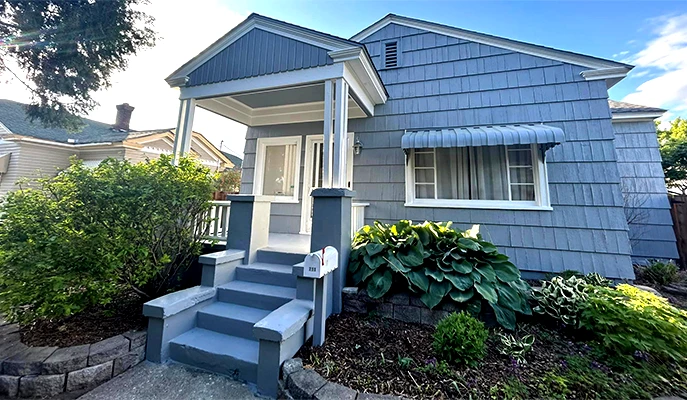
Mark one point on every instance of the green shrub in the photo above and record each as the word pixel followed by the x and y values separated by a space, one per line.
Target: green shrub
pixel 438 263
pixel 657 272
pixel 595 279
pixel 86 235
pixel 627 319
pixel 460 339
pixel 561 298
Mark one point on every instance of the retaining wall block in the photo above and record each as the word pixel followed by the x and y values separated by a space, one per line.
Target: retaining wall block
pixel 27 362
pixel 334 391
pixel 108 349
pixel 305 383
pixel 66 359
pixel 9 385
pixel 407 314
pixel 41 385
pixel 128 360
pixel 136 338
pixel 90 377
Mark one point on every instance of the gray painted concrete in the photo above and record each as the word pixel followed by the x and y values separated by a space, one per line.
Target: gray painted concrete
pixel 148 381
pixel 248 224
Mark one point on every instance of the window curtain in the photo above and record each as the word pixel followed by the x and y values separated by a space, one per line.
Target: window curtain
pixel 477 173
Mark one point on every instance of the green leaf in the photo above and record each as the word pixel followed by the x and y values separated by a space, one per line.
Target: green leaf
pixel 486 271
pixel 469 244
pixel 436 293
pixel 424 235
pixel 487 290
pixel 506 272
pixel 509 297
pixel 460 282
pixel 474 307
pixel 366 272
pixel 374 248
pixel 463 266
pixel 419 279
pixel 462 296
pixel 435 273
pixel 412 258
pixel 396 265
pixel 379 284
pixel 504 316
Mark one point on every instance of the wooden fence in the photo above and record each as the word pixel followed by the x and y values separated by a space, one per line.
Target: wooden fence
pixel 678 210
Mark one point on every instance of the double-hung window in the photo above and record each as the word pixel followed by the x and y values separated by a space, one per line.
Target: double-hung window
pixel 277 168
pixel 477 177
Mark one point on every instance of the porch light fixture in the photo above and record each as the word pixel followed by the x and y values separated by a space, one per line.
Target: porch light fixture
pixel 357 147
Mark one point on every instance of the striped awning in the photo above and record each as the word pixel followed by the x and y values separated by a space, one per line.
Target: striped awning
pixel 492 135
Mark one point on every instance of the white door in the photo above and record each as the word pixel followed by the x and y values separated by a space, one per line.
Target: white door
pixel 314 165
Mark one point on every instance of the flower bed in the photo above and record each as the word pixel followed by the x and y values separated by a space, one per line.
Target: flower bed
pixel 378 355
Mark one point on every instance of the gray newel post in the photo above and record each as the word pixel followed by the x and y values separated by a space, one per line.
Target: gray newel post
pixel 249 224
pixel 331 226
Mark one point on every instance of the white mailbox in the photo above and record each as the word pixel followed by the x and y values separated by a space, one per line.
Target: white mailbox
pixel 320 263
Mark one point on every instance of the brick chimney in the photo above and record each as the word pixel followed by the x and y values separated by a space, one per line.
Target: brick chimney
pixel 123 117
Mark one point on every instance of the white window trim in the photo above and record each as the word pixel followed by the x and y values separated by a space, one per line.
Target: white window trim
pixel 260 166
pixel 541 189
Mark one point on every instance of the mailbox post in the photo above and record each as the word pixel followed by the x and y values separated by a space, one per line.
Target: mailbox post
pixel 319 265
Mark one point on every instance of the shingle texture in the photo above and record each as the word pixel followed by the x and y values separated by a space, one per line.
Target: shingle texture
pixel 619 107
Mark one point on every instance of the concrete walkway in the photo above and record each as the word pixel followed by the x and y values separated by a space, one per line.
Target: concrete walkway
pixel 148 381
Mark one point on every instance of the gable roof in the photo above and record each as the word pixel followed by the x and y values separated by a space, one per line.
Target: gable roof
pixel 613 68
pixel 236 160
pixel 622 107
pixel 296 32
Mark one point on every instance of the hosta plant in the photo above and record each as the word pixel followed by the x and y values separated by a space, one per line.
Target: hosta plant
pixel 561 298
pixel 515 347
pixel 438 263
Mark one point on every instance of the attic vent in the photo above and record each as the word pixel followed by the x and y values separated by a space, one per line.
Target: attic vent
pixel 390 54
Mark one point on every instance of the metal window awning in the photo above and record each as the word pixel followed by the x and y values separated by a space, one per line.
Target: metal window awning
pixel 492 135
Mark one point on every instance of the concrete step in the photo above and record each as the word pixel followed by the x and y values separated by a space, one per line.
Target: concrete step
pixel 223 354
pixel 269 274
pixel 230 319
pixel 266 297
pixel 274 256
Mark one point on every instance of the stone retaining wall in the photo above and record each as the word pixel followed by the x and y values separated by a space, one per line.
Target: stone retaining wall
pixel 49 371
pixel 301 383
pixel 402 307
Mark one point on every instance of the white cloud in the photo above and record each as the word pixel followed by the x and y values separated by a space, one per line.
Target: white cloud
pixel 185 31
pixel 665 56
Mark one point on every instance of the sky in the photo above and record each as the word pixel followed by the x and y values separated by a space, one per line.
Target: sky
pixel 652 35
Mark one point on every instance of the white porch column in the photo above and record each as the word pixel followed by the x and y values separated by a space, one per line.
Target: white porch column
pixel 182 138
pixel 327 145
pixel 340 134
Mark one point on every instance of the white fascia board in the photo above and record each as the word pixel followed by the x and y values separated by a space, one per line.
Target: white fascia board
pixel 283 79
pixel 180 76
pixel 509 44
pixel 610 75
pixel 635 116
pixel 53 143
pixel 359 68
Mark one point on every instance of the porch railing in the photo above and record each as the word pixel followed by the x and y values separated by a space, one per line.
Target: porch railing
pixel 217 227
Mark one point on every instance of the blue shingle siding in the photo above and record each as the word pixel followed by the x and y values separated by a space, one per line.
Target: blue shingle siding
pixel 258 53
pixel 644 191
pixel 445 82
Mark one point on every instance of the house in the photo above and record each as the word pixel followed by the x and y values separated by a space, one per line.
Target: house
pixel 33 150
pixel 408 119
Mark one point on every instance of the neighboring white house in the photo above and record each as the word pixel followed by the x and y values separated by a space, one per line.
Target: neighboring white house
pixel 29 150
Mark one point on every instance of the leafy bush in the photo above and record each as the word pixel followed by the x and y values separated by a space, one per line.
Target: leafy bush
pixel 658 272
pixel 561 299
pixel 627 319
pixel 84 236
pixel 460 339
pixel 595 279
pixel 438 263
pixel 514 347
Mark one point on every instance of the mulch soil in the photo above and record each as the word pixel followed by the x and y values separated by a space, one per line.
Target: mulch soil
pixel 366 353
pixel 92 325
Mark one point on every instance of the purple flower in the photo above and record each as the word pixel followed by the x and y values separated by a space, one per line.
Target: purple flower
pixel 641 356
pixel 432 361
pixel 564 364
pixel 595 365
pixel 586 348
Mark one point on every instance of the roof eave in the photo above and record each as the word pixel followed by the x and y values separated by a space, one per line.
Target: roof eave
pixel 636 116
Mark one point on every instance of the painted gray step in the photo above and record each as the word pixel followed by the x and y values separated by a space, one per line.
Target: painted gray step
pixel 272 256
pixel 269 274
pixel 223 354
pixel 230 319
pixel 266 297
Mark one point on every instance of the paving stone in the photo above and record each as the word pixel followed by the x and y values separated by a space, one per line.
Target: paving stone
pixel 66 359
pixel 290 366
pixel 407 314
pixel 128 360
pixel 89 377
pixel 304 384
pixel 348 290
pixel 384 310
pixel 108 349
pixel 136 338
pixel 372 396
pixel 399 298
pixel 27 362
pixel 432 317
pixel 334 391
pixel 9 385
pixel 41 385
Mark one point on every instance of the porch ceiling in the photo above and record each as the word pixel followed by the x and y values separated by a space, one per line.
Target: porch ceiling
pixel 295 104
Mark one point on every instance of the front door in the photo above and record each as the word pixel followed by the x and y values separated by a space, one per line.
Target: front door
pixel 314 165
